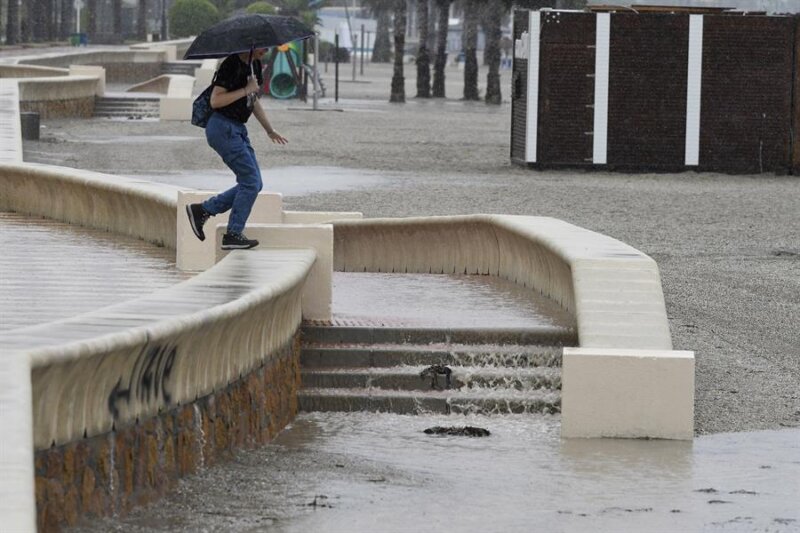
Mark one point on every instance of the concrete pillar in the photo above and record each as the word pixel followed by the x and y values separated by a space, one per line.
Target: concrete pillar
pixel 318 290
pixel 621 393
pixel 193 254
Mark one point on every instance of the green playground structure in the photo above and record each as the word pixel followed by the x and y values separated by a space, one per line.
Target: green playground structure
pixel 283 71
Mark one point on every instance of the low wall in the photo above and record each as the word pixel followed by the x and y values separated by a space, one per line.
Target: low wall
pixel 111 473
pixel 114 391
pixel 124 400
pixel 59 97
pixel 613 290
pixel 30 71
pixel 122 66
pixel 120 205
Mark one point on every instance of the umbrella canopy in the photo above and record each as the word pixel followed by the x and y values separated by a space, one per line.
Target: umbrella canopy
pixel 245 32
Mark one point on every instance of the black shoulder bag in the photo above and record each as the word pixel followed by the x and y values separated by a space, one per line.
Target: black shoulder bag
pixel 201 108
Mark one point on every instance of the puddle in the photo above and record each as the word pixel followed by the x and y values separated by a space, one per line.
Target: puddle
pixel 131 139
pixel 289 181
pixel 426 300
pixel 370 472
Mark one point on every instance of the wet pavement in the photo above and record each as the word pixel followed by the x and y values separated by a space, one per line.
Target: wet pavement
pixel 360 472
pixel 51 270
pixel 289 181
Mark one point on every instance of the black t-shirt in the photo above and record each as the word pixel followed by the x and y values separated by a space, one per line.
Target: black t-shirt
pixel 231 76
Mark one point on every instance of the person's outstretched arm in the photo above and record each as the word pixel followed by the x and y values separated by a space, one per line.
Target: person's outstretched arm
pixel 261 116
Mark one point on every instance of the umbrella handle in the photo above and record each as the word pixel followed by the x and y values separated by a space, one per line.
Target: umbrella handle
pixel 250 60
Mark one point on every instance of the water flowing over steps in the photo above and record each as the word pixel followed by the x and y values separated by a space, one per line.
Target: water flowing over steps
pixel 515 370
pixel 130 107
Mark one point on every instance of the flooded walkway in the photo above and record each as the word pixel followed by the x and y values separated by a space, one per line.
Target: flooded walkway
pixel 440 301
pixel 51 270
pixel 361 472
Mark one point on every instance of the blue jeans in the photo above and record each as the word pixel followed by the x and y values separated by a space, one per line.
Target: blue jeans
pixel 229 139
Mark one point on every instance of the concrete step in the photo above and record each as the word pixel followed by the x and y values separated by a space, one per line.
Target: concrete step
pixel 446 402
pixel 541 335
pixel 327 355
pixel 409 378
pixel 137 107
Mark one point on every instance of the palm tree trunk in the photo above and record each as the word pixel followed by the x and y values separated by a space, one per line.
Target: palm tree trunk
pixel 141 21
pixel 423 57
pixel 25 27
pixel 471 17
pixel 443 7
pixel 382 50
pixel 66 20
pixel 493 28
pixel 12 24
pixel 117 13
pixel 91 17
pixel 37 20
pixel 398 81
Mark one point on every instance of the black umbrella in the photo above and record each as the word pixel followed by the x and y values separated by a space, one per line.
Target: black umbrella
pixel 243 33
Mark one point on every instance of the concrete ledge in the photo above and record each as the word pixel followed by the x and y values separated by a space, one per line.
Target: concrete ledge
pixel 318 290
pixel 319 217
pixel 627 393
pixel 122 205
pixel 89 70
pixel 204 74
pixel 613 290
pixel 30 71
pixel 193 254
pixel 110 367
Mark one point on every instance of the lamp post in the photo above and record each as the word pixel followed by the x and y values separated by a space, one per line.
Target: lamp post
pixel 78 5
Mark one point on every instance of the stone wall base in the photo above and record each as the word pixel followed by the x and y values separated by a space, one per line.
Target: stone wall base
pixel 71 108
pixel 112 473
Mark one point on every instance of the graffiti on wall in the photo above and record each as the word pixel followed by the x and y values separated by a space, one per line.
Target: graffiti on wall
pixel 148 381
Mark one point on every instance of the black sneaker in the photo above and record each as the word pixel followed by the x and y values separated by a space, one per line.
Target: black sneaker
pixel 237 241
pixel 197 218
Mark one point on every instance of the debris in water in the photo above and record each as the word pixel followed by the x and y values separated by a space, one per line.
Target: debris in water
pixel 718 501
pixel 466 431
pixel 319 501
pixel 708 491
pixel 434 371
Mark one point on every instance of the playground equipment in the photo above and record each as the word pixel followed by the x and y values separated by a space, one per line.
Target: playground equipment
pixel 283 71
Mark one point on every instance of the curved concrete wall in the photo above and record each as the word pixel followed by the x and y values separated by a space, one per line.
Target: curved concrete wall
pixel 121 205
pixel 99 370
pixel 59 97
pixel 613 290
pixel 121 66
pixel 131 397
pixel 30 71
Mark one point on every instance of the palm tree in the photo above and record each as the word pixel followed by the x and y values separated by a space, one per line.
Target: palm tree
pixel 398 94
pixel 471 17
pixel 381 10
pixel 141 21
pixel 91 17
pixel 116 9
pixel 493 21
pixel 66 19
pixel 12 24
pixel 439 65
pixel 423 57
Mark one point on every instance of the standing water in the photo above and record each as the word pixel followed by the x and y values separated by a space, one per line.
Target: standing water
pixel 362 472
